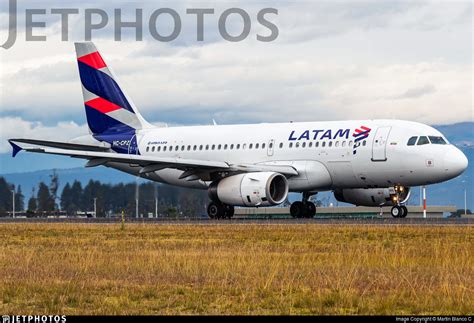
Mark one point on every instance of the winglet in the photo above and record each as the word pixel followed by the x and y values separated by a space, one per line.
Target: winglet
pixel 16 148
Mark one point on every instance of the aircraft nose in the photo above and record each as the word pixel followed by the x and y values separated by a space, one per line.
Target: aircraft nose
pixel 455 162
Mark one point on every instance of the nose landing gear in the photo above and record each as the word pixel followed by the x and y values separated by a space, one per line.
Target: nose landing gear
pixel 400 196
pixel 399 211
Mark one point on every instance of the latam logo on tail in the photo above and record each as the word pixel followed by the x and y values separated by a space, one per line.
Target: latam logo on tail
pixel 359 135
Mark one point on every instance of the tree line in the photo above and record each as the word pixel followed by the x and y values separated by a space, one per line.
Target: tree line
pixel 109 199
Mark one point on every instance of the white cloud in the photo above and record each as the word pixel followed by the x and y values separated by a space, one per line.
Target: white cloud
pixel 18 128
pixel 332 60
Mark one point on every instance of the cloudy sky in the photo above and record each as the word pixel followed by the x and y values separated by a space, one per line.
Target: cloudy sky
pixel 331 60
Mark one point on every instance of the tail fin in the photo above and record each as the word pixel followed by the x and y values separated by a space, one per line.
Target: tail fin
pixel 108 108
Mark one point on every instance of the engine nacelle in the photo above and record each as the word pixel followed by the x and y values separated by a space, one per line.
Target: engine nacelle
pixel 373 196
pixel 250 189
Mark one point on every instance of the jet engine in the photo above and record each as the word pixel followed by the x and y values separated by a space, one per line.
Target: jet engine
pixel 250 189
pixel 373 196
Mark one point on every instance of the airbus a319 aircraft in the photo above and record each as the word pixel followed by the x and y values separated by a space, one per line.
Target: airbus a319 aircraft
pixel 364 162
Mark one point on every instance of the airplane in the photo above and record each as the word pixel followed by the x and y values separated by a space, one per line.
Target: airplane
pixel 363 162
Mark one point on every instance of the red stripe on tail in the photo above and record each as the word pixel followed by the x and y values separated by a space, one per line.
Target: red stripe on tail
pixel 93 59
pixel 102 105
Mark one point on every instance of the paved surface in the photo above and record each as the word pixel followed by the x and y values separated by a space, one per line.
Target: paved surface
pixel 333 221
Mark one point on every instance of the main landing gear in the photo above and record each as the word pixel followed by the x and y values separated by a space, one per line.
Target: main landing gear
pixel 220 210
pixel 399 211
pixel 303 209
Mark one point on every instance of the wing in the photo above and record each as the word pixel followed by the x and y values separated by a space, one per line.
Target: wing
pixel 98 155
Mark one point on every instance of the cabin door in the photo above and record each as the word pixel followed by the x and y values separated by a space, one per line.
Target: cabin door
pixel 379 145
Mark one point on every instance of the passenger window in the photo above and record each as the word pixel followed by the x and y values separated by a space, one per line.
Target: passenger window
pixel 256 146
pixel 270 145
pixel 200 147
pixel 213 147
pixel 435 140
pixel 323 144
pixel 316 144
pixel 164 148
pixel 153 148
pixel 310 144
pixel 336 144
pixel 303 144
pixel 250 146
pixel 177 148
pixel 343 143
pixel 194 147
pixel 291 145
pixel 263 146
pixel 281 145
pixel 238 146
pixel 364 143
pixel 189 147
pixel 207 147
pixel 219 147
pixel 231 146
pixel 423 141
pixel 297 144
pixel 182 147
pixel 158 149
pixel 330 144
pixel 412 141
pixel 244 146
pixel 225 147
pixel 147 148
pixel 350 143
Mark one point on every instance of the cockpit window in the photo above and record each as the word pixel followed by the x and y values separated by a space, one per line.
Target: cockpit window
pixel 423 141
pixel 435 140
pixel 412 141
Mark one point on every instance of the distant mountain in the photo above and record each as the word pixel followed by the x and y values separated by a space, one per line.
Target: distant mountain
pixel 447 193
pixel 459 134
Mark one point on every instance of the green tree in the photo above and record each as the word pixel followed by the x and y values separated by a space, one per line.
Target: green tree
pixel 19 199
pixel 53 187
pixel 66 199
pixel 6 201
pixel 32 205
pixel 44 199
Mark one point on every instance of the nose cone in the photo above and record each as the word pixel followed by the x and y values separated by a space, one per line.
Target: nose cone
pixel 455 162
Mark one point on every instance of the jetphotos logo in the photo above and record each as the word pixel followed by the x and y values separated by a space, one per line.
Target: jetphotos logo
pixel 33 318
pixel 161 24
pixel 359 135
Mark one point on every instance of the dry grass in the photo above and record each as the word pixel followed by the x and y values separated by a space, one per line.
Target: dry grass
pixel 235 269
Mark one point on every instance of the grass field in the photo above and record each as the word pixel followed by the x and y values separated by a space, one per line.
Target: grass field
pixel 235 269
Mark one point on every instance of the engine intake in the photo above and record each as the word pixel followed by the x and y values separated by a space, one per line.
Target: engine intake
pixel 250 189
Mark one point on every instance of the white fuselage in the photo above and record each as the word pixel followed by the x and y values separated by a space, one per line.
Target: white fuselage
pixel 326 154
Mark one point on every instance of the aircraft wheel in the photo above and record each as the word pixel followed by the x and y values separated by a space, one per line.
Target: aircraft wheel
pixel 228 211
pixel 310 209
pixel 396 211
pixel 215 210
pixel 297 209
pixel 404 211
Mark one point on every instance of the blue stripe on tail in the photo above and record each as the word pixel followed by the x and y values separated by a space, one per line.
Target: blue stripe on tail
pixel 103 86
pixel 100 123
